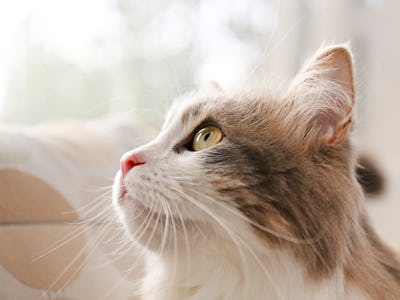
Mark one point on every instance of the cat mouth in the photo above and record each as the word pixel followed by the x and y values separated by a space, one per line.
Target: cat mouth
pixel 138 206
pixel 126 198
pixel 140 210
pixel 123 192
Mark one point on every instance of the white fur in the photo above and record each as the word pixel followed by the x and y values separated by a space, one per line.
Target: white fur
pixel 218 256
pixel 219 277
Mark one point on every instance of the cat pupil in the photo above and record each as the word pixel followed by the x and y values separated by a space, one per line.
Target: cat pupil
pixel 207 136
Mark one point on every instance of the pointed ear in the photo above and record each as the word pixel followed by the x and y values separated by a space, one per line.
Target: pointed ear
pixel 324 94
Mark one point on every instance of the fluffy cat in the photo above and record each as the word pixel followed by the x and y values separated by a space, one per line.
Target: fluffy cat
pixel 254 196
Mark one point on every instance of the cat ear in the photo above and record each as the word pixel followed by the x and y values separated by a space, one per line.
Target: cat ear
pixel 324 94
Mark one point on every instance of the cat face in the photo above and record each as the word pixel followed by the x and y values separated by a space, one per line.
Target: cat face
pixel 275 169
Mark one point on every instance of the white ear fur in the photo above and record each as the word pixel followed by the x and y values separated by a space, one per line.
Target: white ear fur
pixel 324 93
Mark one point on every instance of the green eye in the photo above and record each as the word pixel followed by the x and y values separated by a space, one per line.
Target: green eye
pixel 206 137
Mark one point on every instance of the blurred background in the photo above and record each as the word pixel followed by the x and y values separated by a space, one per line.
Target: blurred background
pixel 74 59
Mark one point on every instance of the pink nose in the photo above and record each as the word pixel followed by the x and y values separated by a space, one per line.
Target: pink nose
pixel 128 161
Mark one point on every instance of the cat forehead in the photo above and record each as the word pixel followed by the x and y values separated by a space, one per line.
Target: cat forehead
pixel 241 116
pixel 189 108
pixel 219 108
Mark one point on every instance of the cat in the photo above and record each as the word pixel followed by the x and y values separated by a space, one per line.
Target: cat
pixel 254 195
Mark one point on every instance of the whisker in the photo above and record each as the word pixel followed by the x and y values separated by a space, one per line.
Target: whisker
pixel 186 239
pixel 138 236
pixel 66 269
pixel 64 240
pixel 261 227
pixel 175 240
pixel 235 238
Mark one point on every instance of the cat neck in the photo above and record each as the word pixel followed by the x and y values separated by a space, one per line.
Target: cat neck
pixel 222 277
pixel 224 273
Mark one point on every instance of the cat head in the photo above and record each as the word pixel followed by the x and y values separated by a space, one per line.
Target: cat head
pixel 277 170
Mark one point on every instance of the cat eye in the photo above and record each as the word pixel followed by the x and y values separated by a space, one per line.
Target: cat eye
pixel 206 137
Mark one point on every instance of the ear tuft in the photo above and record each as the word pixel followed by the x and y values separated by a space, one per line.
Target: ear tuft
pixel 324 94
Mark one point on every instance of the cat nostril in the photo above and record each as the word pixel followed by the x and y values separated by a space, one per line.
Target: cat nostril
pixel 128 161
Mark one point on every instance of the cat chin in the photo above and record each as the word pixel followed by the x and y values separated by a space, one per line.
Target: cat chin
pixel 155 231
